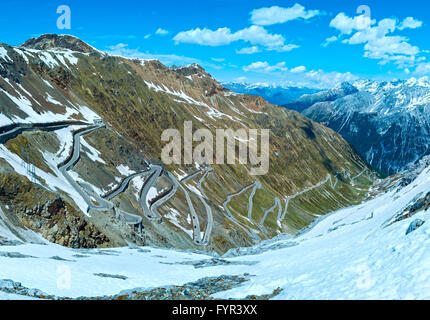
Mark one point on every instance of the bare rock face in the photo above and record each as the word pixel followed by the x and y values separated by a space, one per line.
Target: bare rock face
pixel 52 217
pixel 54 221
pixel 414 225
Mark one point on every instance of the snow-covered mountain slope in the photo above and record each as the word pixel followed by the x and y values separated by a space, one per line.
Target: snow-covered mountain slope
pixel 377 250
pixel 388 123
pixel 279 95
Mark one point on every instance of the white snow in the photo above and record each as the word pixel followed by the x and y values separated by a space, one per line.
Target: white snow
pixel 25 105
pixel 48 59
pixel 10 296
pixel 180 94
pixel 65 136
pixel 181 174
pixel 125 170
pixel 152 193
pixel 4 120
pixel 52 100
pixel 4 55
pixel 137 185
pixel 173 217
pixel 22 54
pixel 47 83
pixel 194 190
pixel 88 114
pixel 52 182
pixel 92 153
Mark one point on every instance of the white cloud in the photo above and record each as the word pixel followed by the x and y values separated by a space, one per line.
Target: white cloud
pixel 299 77
pixel 122 50
pixel 255 35
pixel 241 79
pixel 161 32
pixel 410 23
pixel 329 40
pixel 377 38
pixel 275 14
pixel 265 67
pixel 118 46
pixel 298 69
pixel 205 37
pixel 321 79
pixel 346 25
pixel 423 68
pixel 147 36
pixel 248 50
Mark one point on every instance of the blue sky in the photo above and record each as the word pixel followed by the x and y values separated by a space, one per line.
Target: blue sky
pixel 304 43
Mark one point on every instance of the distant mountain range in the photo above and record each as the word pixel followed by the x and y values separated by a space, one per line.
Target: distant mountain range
pixel 388 123
pixel 278 95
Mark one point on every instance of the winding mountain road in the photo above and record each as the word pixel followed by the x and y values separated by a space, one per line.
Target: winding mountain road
pixel 71 162
pixel 257 185
pixel 276 204
pixel 197 237
pixel 13 130
pixel 204 176
pixel 287 199
pixel 102 204
pixel 208 230
pixel 95 201
pixel 155 173
pixel 123 185
pixel 159 202
pixel 249 232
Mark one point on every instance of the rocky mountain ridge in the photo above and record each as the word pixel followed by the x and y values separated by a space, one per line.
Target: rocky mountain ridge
pixel 387 122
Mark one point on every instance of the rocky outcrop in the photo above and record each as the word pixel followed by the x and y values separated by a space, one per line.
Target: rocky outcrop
pixel 54 222
pixel 414 225
pixel 52 217
pixel 53 41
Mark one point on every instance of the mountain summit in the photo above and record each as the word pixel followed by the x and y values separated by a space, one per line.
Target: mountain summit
pixel 53 41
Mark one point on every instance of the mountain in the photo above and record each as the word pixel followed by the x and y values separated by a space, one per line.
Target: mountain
pixel 388 123
pixel 376 250
pixel 277 95
pixel 52 41
pixel 80 134
pixel 307 100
